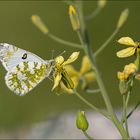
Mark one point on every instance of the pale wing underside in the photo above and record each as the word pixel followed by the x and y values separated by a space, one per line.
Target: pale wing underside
pixel 25 76
pixel 11 56
pixel 126 52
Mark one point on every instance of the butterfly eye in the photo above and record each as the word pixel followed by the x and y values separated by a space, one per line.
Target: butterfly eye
pixel 24 56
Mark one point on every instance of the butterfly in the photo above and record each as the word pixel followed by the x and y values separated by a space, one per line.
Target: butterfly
pixel 25 70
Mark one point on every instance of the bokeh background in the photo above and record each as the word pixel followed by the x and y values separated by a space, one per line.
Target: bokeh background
pixel 16 28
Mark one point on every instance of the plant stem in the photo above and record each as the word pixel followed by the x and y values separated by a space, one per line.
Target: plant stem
pixel 114 118
pixel 87 135
pixel 85 43
pixel 93 90
pixel 57 39
pixel 103 46
pixel 124 115
pixel 93 14
pixel 91 105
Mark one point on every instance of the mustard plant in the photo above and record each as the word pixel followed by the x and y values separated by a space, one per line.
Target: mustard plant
pixel 67 79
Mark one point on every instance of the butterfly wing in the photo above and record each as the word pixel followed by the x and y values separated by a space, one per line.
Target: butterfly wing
pixel 11 56
pixel 25 76
pixel 126 52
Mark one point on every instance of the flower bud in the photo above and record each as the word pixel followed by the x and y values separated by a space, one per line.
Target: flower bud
pixel 122 76
pixel 130 69
pixel 39 24
pixel 101 3
pixel 81 121
pixel 123 18
pixel 74 18
pixel 123 87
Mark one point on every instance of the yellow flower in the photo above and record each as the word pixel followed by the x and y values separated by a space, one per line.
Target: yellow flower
pixel 122 76
pixel 86 75
pixel 128 70
pixel 134 47
pixel 60 75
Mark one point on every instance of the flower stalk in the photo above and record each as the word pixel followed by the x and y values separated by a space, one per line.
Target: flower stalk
pixel 85 43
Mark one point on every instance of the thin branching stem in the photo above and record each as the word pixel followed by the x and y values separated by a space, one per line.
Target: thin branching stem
pixel 104 45
pixel 93 14
pixel 91 105
pixel 67 43
pixel 85 43
pixel 125 114
pixel 87 136
pixel 93 90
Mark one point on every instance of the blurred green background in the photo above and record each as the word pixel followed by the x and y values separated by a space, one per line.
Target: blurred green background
pixel 16 28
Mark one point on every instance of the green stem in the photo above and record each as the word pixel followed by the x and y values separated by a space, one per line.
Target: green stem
pixel 87 135
pixel 91 105
pixel 93 14
pixel 126 101
pixel 84 41
pixel 57 39
pixel 104 45
pixel 93 90
pixel 114 118
pixel 125 115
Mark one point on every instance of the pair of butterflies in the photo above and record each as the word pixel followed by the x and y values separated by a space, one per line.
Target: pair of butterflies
pixel 25 70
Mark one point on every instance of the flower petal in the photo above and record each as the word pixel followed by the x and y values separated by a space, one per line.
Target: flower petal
pixel 86 66
pixel 64 89
pixel 127 41
pixel 71 71
pixel 90 77
pixel 126 52
pixel 75 81
pixel 72 58
pixel 57 80
pixel 59 60
pixel 67 80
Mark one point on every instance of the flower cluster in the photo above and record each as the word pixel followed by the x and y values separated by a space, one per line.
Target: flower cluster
pixel 60 75
pixel 67 78
pixel 126 76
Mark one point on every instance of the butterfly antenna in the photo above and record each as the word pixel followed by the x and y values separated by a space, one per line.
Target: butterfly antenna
pixel 62 53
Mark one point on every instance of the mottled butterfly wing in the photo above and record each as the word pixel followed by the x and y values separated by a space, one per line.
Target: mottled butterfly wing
pixel 11 56
pixel 25 76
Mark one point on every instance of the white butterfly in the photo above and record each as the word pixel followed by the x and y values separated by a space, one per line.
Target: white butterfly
pixel 25 70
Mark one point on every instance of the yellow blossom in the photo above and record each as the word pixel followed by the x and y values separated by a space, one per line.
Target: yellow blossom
pixel 122 76
pixel 60 75
pixel 134 47
pixel 128 70
pixel 85 74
